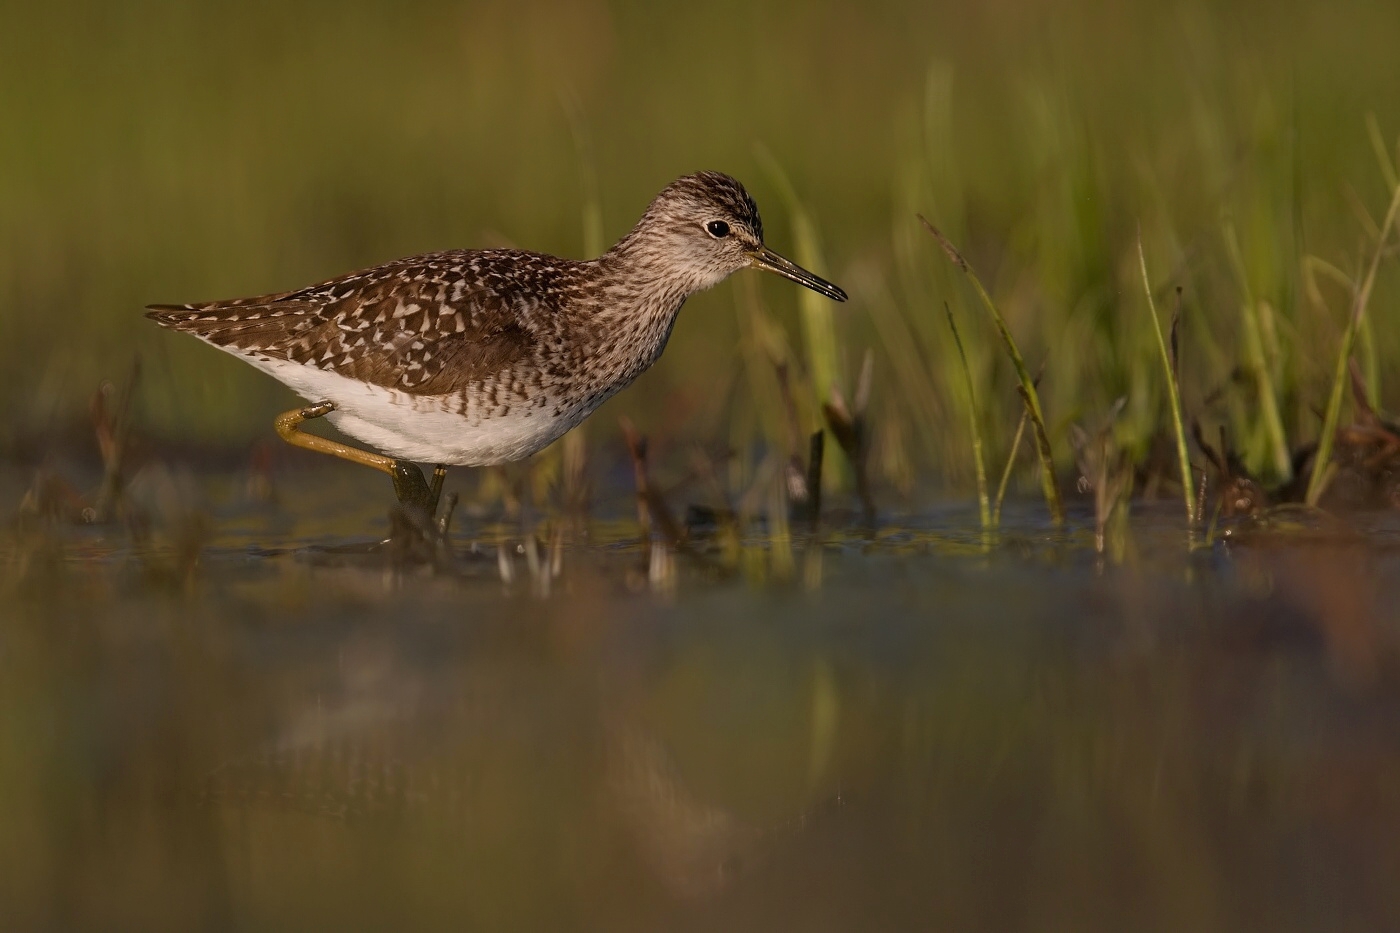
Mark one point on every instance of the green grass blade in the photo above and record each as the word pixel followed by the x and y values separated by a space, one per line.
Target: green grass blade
pixel 1006 471
pixel 1370 361
pixel 1317 481
pixel 1027 384
pixel 1173 390
pixel 817 313
pixel 1370 354
pixel 1258 364
pixel 974 422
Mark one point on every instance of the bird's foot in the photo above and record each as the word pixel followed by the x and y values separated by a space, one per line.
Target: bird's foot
pixel 418 529
pixel 412 490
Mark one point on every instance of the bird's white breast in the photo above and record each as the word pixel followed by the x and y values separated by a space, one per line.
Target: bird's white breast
pixel 428 428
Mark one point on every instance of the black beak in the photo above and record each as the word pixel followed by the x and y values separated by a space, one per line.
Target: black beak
pixel 765 258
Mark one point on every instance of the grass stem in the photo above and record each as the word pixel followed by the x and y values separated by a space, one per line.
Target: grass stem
pixel 974 422
pixel 1317 482
pixel 817 314
pixel 1027 384
pixel 1006 471
pixel 1173 390
pixel 1258 364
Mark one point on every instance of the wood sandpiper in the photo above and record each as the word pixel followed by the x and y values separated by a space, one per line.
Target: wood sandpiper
pixel 479 357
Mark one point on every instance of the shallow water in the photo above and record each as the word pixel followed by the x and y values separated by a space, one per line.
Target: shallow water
pixel 915 732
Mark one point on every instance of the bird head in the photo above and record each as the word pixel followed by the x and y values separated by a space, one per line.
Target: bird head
pixel 702 228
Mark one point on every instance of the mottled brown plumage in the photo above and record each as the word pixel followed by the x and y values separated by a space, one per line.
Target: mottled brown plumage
pixel 484 356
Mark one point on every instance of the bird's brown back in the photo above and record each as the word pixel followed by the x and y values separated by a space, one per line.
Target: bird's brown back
pixel 426 325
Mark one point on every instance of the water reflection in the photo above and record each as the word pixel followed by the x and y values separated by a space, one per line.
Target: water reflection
pixel 936 738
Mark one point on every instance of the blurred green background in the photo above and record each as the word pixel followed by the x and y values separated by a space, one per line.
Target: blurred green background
pixel 166 151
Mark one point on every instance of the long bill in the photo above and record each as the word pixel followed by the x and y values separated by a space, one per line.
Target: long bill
pixel 765 258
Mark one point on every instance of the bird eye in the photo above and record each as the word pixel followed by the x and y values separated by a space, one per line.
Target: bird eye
pixel 717 229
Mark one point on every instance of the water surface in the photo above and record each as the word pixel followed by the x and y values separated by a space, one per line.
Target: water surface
pixel 914 732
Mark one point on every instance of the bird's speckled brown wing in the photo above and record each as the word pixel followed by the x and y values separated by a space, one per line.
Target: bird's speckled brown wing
pixel 427 325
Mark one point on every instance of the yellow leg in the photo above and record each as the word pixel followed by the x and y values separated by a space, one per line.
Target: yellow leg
pixel 409 484
pixel 288 427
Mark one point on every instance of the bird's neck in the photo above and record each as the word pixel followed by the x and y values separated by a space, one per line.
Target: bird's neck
pixel 636 298
pixel 636 278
